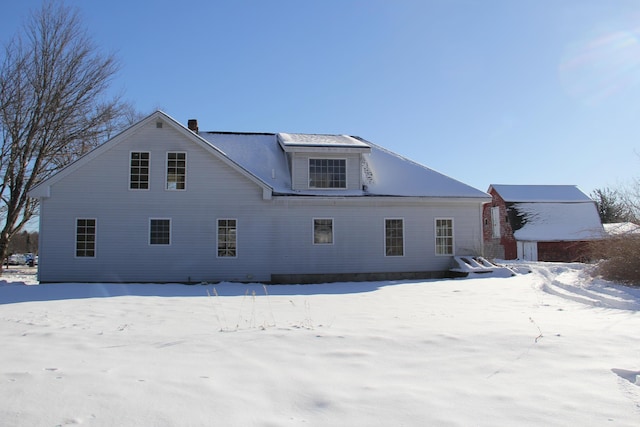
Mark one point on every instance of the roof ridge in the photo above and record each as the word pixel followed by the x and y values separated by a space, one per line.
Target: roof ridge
pixel 238 133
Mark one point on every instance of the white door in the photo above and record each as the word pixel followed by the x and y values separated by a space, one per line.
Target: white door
pixel 495 221
pixel 527 251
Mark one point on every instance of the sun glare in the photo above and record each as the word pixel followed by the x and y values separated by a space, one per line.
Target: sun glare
pixel 601 67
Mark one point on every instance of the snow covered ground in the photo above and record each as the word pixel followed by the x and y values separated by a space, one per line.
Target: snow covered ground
pixel 552 348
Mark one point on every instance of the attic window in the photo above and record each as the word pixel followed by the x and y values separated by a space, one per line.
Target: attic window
pixel 139 171
pixel 159 125
pixel 327 173
pixel 176 171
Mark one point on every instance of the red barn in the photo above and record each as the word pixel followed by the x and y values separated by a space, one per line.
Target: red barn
pixel 539 222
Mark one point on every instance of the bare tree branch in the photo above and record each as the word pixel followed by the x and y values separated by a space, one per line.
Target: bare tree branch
pixel 53 109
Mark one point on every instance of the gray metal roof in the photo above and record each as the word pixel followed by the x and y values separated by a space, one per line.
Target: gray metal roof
pixel 384 173
pixel 540 193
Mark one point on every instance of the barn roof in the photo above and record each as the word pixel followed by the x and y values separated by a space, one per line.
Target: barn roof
pixel 548 222
pixel 547 213
pixel 540 193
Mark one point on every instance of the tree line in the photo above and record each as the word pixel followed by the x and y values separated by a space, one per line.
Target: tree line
pixel 24 242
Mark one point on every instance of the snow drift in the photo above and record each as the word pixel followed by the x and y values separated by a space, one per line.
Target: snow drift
pixel 551 348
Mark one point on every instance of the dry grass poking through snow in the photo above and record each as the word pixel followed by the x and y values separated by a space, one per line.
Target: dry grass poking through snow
pixel 620 259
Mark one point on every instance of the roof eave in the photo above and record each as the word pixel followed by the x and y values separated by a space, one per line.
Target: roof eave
pixel 373 197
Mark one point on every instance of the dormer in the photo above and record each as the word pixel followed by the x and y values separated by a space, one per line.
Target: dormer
pixel 324 162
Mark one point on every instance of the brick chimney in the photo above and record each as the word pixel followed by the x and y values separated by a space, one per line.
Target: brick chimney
pixel 192 124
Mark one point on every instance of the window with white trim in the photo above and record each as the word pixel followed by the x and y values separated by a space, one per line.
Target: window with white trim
pixel 159 231
pixel 394 237
pixel 322 231
pixel 86 238
pixel 444 236
pixel 327 173
pixel 176 171
pixel 139 171
pixel 227 238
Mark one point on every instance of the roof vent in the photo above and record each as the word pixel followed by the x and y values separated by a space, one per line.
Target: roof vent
pixel 192 124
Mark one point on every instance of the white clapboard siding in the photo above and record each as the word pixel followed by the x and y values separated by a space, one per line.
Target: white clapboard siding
pixel 274 232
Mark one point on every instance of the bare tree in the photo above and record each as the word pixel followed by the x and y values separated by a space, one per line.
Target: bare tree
pixel 53 108
pixel 631 196
pixel 612 205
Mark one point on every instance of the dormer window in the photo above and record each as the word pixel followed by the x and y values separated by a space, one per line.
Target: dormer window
pixel 324 162
pixel 327 173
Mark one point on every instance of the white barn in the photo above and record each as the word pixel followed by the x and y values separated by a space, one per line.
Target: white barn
pixel 162 202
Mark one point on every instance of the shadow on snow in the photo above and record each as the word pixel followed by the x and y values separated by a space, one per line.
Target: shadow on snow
pixel 16 292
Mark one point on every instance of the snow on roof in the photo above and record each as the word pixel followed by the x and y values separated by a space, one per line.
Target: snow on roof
pixel 389 174
pixel 315 140
pixel 621 228
pixel 547 222
pixel 259 154
pixel 384 172
pixel 540 193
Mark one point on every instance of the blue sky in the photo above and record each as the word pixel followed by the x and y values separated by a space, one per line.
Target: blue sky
pixel 485 91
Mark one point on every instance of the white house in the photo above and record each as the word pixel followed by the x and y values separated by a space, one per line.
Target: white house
pixel 162 202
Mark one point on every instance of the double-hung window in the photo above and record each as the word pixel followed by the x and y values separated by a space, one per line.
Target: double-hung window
pixel 227 238
pixel 176 171
pixel 444 236
pixel 139 171
pixel 327 173
pixel 394 237
pixel 322 231
pixel 159 231
pixel 86 238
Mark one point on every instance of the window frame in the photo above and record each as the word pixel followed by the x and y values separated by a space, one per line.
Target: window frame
pixel 235 242
pixel 95 238
pixel 313 231
pixel 151 243
pixel 176 174
pixel 327 159
pixel 451 237
pixel 131 166
pixel 386 229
